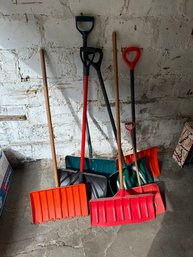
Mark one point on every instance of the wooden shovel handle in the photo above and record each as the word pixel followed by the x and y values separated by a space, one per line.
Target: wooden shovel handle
pixel 49 119
pixel 115 64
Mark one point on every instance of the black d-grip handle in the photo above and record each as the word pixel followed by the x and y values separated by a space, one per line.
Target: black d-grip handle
pixel 87 56
pixel 84 32
pixel 95 60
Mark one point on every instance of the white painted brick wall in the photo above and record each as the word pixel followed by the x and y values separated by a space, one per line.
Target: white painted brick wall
pixel 162 29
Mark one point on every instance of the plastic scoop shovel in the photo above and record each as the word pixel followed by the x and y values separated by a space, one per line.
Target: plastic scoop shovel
pixel 122 208
pixel 148 188
pixel 59 202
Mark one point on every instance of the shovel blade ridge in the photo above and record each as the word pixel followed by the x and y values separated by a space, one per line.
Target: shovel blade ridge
pixel 122 210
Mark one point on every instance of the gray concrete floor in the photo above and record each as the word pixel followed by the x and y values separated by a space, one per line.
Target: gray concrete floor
pixel 169 235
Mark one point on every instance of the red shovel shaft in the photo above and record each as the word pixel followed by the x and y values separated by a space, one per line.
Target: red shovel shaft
pixel 85 94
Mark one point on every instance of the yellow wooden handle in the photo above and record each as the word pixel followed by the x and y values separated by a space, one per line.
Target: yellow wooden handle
pixel 48 113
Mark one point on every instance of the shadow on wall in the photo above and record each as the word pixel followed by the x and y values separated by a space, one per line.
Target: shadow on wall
pixel 68 101
pixel 15 158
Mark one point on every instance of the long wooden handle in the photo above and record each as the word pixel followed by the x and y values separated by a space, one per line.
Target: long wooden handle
pixel 114 40
pixel 54 163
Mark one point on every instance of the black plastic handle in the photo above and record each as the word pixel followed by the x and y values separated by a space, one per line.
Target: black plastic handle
pixel 84 32
pixel 98 56
pixel 87 56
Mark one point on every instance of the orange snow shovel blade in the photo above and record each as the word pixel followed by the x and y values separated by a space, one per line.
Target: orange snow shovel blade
pixel 122 209
pixel 151 160
pixel 58 203
pixel 150 188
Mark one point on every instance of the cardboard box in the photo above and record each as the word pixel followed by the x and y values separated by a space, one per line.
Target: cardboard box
pixel 5 178
pixel 184 145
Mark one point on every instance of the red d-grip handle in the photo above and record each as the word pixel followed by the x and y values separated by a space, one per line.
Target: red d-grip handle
pixel 131 63
pixel 129 126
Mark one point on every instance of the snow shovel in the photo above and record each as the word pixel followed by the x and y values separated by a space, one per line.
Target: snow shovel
pixel 148 188
pixel 96 185
pixel 102 166
pixel 144 174
pixel 150 153
pixel 59 202
pixel 129 176
pixel 122 208
pixel 85 25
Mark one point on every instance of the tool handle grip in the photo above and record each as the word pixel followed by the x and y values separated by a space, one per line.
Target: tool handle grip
pixel 87 56
pixel 130 127
pixel 48 113
pixel 98 56
pixel 84 19
pixel 129 50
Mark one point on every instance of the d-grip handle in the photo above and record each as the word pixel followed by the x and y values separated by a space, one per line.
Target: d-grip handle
pixel 84 53
pixel 84 32
pixel 130 127
pixel 98 56
pixel 131 63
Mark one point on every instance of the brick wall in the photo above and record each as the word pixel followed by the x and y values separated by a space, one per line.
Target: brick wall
pixel 163 76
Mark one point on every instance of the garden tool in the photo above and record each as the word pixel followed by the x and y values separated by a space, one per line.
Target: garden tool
pixel 150 153
pixel 148 188
pixel 96 185
pixel 122 208
pixel 59 202
pixel 102 166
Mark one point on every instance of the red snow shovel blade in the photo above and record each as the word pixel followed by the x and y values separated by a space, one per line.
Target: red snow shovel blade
pixel 58 203
pixel 122 209
pixel 151 160
pixel 150 188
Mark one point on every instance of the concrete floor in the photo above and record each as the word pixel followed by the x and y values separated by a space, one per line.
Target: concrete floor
pixel 169 235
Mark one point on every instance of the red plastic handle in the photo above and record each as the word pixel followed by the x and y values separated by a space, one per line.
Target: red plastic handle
pixel 129 126
pixel 85 94
pixel 131 63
